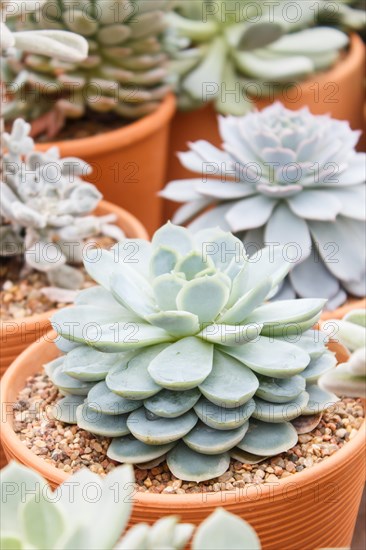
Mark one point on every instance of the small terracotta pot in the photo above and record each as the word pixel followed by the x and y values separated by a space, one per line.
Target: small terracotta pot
pixel 129 164
pixel 315 508
pixel 17 334
pixel 338 91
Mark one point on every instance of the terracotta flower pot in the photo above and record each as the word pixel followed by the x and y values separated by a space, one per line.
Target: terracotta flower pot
pixel 129 164
pixel 340 312
pixel 17 334
pixel 339 92
pixel 315 508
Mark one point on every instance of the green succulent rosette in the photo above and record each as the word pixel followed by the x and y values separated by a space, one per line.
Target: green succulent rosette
pixel 176 354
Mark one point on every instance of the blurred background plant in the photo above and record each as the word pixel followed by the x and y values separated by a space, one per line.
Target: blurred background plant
pixel 348 378
pixel 45 209
pixel 285 177
pixel 32 516
pixel 347 14
pixel 58 44
pixel 250 49
pixel 124 73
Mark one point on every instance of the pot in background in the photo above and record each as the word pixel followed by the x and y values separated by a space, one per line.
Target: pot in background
pixel 129 164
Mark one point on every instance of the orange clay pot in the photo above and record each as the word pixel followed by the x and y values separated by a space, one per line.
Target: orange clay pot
pixel 17 334
pixel 338 92
pixel 313 509
pixel 339 313
pixel 129 164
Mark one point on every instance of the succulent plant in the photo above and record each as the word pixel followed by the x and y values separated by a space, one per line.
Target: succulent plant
pixel 59 44
pixel 124 73
pixel 349 14
pixel 70 518
pixel 45 208
pixel 229 52
pixel 287 178
pixel 174 352
pixel 348 378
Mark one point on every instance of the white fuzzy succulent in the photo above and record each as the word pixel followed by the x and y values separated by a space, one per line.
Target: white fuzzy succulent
pixel 89 512
pixel 46 208
pixel 287 178
pixel 177 354
pixel 348 378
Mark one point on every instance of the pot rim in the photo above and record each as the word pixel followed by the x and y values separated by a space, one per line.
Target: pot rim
pixel 128 222
pixel 11 441
pixel 116 139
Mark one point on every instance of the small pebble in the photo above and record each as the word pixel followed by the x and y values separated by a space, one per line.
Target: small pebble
pixel 341 433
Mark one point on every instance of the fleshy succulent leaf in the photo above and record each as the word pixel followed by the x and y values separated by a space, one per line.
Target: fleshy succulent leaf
pixel 184 376
pixel 263 438
pixel 222 529
pixel 348 378
pixel 187 464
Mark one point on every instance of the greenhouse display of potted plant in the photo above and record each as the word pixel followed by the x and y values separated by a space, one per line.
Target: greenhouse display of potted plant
pixel 287 179
pixel 46 227
pixel 220 68
pixel 162 393
pixel 56 521
pixel 246 391
pixel 117 99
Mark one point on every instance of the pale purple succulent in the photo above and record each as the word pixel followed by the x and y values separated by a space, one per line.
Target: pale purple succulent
pixel 285 177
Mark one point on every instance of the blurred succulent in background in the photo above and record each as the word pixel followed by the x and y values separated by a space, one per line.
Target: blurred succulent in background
pixel 348 14
pixel 34 517
pixel 59 44
pixel 220 54
pixel 181 353
pixel 288 178
pixel 124 73
pixel 348 378
pixel 45 208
